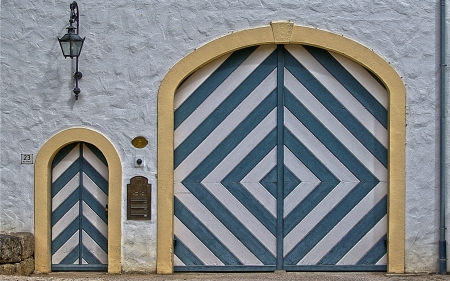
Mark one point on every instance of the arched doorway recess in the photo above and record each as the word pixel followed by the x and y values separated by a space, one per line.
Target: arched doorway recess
pixel 284 33
pixel 43 183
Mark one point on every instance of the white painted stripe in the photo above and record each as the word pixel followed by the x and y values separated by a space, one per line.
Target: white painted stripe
pixel 339 91
pixel 94 248
pixel 252 184
pixel 243 215
pixel 221 93
pixel 65 192
pixel 366 243
pixel 382 261
pixel 95 220
pixel 316 215
pixel 214 225
pixel 297 195
pixel 260 193
pixel 345 225
pixel 94 190
pixel 213 140
pixel 335 127
pixel 308 181
pixel 65 163
pixel 297 167
pixel 177 261
pixel 196 79
pixel 194 244
pixel 364 78
pixel 255 136
pixel 65 221
pixel 95 162
pixel 66 248
pixel 317 148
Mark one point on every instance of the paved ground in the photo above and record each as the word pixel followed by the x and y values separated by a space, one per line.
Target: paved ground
pixel 310 276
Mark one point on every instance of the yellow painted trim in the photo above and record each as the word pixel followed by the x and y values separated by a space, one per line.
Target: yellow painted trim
pixel 42 195
pixel 284 32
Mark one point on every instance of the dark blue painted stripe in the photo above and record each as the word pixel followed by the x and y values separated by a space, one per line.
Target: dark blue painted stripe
pixel 230 222
pixel 93 232
pixel 95 176
pixel 328 139
pixel 270 182
pixel 88 256
pixel 65 207
pixel 94 205
pixel 290 181
pixel 97 153
pixel 328 222
pixel 233 185
pixel 184 254
pixel 337 109
pixel 376 253
pixel 202 232
pixel 230 142
pixel 306 206
pixel 253 206
pixel 357 233
pixel 213 81
pixel 72 256
pixel 350 83
pixel 224 109
pixel 66 176
pixel 65 235
pixel 63 153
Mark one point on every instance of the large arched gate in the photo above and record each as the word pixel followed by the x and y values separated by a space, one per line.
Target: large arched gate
pixel 280 163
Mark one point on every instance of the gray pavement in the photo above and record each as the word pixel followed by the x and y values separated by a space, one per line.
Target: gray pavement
pixel 288 276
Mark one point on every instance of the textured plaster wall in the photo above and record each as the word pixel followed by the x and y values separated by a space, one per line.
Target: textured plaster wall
pixel 130 46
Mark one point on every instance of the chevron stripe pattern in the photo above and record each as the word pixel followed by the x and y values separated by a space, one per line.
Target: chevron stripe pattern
pixel 79 197
pixel 280 163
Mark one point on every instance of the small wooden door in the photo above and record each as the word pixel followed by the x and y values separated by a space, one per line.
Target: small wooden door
pixel 79 209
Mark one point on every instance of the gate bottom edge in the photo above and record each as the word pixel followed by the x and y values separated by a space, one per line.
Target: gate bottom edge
pixel 77 267
pixel 342 268
pixel 226 268
pixel 299 268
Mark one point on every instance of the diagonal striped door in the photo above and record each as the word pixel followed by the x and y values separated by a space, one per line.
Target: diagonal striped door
pixel 280 163
pixel 79 198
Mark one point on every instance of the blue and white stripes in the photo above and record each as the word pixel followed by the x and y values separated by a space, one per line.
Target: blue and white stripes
pixel 280 162
pixel 79 198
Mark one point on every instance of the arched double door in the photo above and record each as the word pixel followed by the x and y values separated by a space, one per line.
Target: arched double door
pixel 280 162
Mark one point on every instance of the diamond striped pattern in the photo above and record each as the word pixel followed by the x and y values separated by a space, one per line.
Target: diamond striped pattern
pixel 79 198
pixel 280 163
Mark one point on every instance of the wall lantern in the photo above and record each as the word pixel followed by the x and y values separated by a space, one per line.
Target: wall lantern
pixel 71 43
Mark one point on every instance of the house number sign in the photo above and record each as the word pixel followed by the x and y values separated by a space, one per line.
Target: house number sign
pixel 138 199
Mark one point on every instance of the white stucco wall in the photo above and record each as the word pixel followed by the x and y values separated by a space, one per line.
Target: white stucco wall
pixel 130 46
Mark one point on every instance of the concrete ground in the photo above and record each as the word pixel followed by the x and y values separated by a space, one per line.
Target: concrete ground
pixel 285 276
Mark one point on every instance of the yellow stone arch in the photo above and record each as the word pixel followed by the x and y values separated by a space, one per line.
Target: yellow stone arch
pixel 284 32
pixel 42 195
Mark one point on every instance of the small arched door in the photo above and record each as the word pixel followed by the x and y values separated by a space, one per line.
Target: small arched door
pixel 281 163
pixel 79 222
